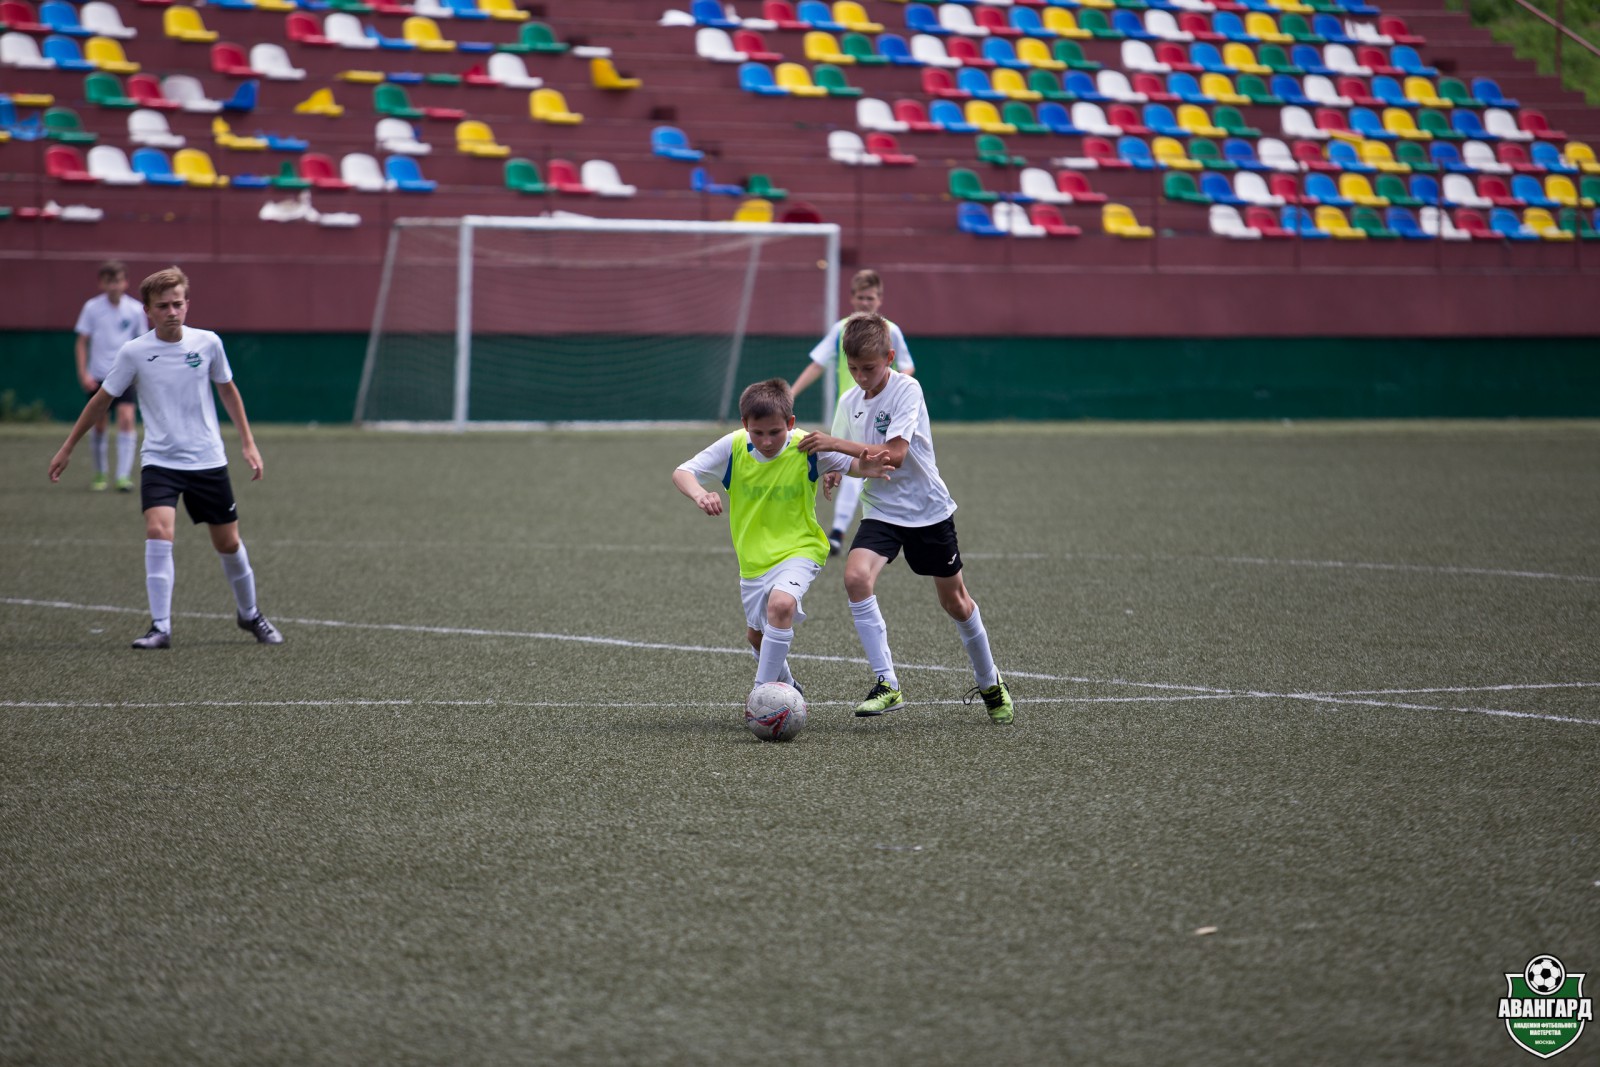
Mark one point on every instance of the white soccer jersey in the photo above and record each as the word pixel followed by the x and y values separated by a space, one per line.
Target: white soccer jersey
pixel 914 495
pixel 828 348
pixel 175 399
pixel 711 462
pixel 108 328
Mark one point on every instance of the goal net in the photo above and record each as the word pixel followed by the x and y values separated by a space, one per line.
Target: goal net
pixel 488 322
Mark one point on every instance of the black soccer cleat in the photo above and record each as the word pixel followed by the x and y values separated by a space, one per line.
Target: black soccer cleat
pixel 265 632
pixel 835 542
pixel 154 639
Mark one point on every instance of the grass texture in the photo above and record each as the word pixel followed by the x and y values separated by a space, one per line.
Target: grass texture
pixel 1304 761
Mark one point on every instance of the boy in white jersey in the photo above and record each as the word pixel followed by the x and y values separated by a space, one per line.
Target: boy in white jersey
pixel 175 367
pixel 866 295
pixel 913 512
pixel 106 323
pixel 772 515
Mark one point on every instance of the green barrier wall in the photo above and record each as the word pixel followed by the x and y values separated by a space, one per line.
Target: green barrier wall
pixel 313 377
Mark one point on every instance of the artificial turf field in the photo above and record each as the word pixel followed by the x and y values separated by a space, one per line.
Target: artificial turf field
pixel 1306 758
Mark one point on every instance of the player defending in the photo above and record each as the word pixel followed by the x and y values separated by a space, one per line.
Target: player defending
pixel 866 295
pixel 106 323
pixel 913 512
pixel 772 514
pixel 174 366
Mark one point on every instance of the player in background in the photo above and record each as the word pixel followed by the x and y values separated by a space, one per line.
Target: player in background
pixel 866 295
pixel 772 515
pixel 174 367
pixel 913 512
pixel 106 323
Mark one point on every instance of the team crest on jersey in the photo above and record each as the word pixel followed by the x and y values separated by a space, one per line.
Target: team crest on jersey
pixel 1544 1007
pixel 880 422
pixel 192 358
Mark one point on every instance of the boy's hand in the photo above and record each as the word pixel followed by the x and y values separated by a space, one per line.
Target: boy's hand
pixel 253 457
pixel 817 441
pixel 709 502
pixel 58 463
pixel 830 482
pixel 875 464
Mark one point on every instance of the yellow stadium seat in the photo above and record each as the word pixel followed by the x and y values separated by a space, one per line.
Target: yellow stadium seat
pixel 474 138
pixel 1578 154
pixel 1010 82
pixel 854 17
pixel 797 80
pixel 1169 152
pixel 1291 5
pixel 360 77
pixel 504 10
pixel 1421 91
pixel 1060 21
pixel 423 32
pixel 320 102
pixel 195 167
pixel 1238 55
pixel 754 210
pixel 106 53
pixel 1539 221
pixel 821 47
pixel 1559 187
pixel 982 114
pixel 1331 219
pixel 1193 118
pixel 223 134
pixel 1118 220
pixel 1401 123
pixel 184 24
pixel 548 105
pixel 603 74
pixel 1355 187
pixel 1036 53
pixel 1220 88
pixel 1376 154
pixel 48 100
pixel 1264 27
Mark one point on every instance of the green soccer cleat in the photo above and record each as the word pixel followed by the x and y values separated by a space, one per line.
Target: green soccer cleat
pixel 997 698
pixel 881 699
pixel 124 485
pixel 99 484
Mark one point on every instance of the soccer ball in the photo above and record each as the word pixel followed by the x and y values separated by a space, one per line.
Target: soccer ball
pixel 1545 975
pixel 775 711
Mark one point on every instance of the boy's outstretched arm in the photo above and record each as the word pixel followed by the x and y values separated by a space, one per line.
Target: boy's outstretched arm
pixel 895 449
pixel 93 412
pixel 689 486
pixel 812 372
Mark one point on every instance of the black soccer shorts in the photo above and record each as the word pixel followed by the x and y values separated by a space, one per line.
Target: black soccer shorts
pixel 207 495
pixel 930 550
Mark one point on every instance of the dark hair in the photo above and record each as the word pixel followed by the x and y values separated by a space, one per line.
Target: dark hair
pixel 765 399
pixel 113 268
pixel 865 334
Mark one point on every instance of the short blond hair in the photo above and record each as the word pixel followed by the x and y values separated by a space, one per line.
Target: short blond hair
pixel 765 399
pixel 863 280
pixel 866 334
pixel 160 282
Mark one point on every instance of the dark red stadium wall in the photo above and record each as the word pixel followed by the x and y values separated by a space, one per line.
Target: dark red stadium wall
pixel 313 377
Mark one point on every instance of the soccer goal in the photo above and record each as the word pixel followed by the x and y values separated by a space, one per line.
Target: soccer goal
pixel 488 322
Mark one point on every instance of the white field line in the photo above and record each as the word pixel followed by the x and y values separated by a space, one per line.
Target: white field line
pixel 1203 692
pixel 726 550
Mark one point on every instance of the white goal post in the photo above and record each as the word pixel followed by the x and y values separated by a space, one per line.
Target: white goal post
pixel 497 322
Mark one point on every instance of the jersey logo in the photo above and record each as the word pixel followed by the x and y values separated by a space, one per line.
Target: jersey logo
pixel 152 359
pixel 881 423
pixel 859 414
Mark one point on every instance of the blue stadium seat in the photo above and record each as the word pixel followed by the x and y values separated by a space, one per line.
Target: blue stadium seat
pixel 1549 157
pixel 1321 188
pixel 1057 119
pixel 670 142
pixel 1287 88
pixel 1082 87
pixel 757 78
pixel 922 19
pixel 974 219
pixel 893 47
pixel 1406 58
pixel 1219 188
pixel 710 13
pixel 1365 121
pixel 407 176
pixel 1530 190
pixel 156 168
pixel 1298 220
pixel 976 82
pixel 1238 150
pixel 1425 187
pixel 947 114
pixel 1505 222
pixel 1487 92
pixel 1158 118
pixel 61 17
pixel 65 52
pixel 1309 60
pixel 1135 153
pixel 1387 90
pixel 1404 223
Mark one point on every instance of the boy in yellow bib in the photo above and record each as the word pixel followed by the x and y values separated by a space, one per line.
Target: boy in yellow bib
pixel 772 501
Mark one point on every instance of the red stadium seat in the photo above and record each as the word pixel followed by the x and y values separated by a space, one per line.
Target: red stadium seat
pixel 887 149
pixel 1075 185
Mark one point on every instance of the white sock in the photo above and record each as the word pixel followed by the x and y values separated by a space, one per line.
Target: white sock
pixel 774 652
pixel 158 575
pixel 845 499
pixel 97 444
pixel 976 640
pixel 237 570
pixel 127 445
pixel 874 634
